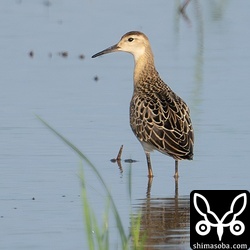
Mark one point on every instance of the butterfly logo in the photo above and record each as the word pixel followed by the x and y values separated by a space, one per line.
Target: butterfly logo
pixel 203 227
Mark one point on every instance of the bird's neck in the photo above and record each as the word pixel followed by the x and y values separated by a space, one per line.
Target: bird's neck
pixel 144 70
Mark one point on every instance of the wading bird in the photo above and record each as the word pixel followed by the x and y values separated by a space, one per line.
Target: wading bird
pixel 159 118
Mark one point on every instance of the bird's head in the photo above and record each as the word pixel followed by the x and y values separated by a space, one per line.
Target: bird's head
pixel 133 42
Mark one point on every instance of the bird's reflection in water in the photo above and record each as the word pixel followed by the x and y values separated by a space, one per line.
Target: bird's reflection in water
pixel 165 221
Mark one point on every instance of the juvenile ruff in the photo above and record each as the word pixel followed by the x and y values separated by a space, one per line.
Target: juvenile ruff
pixel 158 117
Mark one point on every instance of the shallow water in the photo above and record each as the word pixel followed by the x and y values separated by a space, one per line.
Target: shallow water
pixel 203 57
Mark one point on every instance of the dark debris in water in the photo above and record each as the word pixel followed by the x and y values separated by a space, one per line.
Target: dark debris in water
pixel 96 78
pixel 63 53
pixel 130 160
pixel 47 3
pixel 118 158
pixel 31 54
pixel 81 56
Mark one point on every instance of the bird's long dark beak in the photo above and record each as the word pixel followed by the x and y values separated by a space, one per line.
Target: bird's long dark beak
pixel 111 49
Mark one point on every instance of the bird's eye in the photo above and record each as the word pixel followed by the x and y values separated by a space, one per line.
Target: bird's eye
pixel 131 39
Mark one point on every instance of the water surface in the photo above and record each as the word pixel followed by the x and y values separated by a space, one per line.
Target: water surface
pixel 204 57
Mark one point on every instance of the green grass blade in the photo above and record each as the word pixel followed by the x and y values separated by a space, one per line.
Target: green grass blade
pixel 123 236
pixel 138 240
pixel 87 213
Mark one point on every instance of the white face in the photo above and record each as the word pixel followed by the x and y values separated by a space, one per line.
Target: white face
pixel 134 44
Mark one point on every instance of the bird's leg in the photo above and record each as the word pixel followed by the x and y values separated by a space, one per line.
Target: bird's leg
pixel 150 171
pixel 176 175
